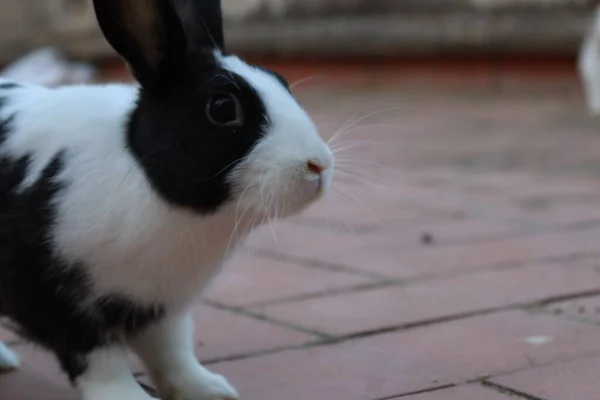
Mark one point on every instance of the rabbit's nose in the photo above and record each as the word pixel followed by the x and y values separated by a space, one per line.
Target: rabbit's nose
pixel 319 164
pixel 315 167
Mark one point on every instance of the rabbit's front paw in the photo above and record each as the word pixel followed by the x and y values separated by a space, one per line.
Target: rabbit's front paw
pixel 217 388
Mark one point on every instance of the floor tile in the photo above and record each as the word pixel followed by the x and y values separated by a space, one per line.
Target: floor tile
pixel 248 280
pixel 375 309
pixel 293 238
pixel 404 362
pixel 470 392
pixel 319 243
pixel 382 254
pixel 365 205
pixel 222 334
pixel 576 380
pixel 586 309
pixel 38 378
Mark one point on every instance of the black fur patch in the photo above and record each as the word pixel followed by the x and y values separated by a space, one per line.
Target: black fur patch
pixel 121 315
pixel 186 158
pixel 42 294
pixel 173 55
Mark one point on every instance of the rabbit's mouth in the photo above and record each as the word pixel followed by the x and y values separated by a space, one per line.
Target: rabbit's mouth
pixel 315 185
pixel 285 200
pixel 275 184
pixel 306 189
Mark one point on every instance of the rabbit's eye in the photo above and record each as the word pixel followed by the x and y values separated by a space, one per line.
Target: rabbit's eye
pixel 225 110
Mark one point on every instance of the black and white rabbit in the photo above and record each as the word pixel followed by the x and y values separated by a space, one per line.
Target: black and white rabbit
pixel 119 203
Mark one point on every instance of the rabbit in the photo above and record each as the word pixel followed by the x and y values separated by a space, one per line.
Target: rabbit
pixel 119 203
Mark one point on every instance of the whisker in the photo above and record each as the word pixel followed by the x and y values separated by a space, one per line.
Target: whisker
pixel 353 198
pixel 146 157
pixel 329 225
pixel 357 128
pixel 304 80
pixel 350 146
pixel 358 166
pixel 222 170
pixel 238 219
pixel 319 126
pixel 352 123
pixel 350 175
pixel 340 130
pixel 270 221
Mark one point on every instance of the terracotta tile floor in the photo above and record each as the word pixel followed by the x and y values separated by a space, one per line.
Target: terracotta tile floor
pixel 457 258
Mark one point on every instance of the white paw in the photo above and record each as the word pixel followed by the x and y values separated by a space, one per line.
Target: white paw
pixel 218 388
pixel 8 360
pixel 206 387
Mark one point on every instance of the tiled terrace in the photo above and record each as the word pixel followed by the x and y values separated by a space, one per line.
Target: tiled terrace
pixel 457 258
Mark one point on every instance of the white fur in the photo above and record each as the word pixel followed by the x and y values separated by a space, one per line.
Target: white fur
pixel 275 173
pixel 167 350
pixel 8 359
pixel 108 376
pixel 109 217
pixel 589 66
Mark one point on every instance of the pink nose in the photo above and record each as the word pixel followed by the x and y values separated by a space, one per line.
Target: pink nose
pixel 314 167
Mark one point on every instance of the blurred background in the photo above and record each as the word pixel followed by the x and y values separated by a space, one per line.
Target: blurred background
pixel 332 28
pixel 367 32
pixel 457 255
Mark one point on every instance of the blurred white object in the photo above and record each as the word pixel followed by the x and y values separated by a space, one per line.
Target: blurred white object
pixel 48 67
pixel 8 359
pixel 82 73
pixel 589 65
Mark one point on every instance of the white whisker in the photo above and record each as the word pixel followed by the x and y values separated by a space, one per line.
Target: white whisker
pixel 304 80
pixel 366 181
pixel 352 123
pixel 353 198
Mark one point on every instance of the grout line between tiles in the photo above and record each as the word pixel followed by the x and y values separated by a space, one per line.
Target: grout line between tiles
pixel 325 293
pixel 327 339
pixel 311 263
pixel 510 392
pixel 424 391
pixel 257 316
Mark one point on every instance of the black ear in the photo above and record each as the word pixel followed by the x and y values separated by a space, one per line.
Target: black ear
pixel 202 21
pixel 154 36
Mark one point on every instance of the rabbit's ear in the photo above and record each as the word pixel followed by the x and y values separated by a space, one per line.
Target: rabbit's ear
pixel 202 21
pixel 154 35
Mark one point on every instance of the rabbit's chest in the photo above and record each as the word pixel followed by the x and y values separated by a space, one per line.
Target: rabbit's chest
pixel 160 270
pixel 144 249
pixel 130 241
pixel 169 268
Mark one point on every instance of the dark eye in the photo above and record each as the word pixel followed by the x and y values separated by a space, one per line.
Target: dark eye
pixel 225 110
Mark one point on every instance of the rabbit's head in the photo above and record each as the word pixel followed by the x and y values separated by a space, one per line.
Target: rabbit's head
pixel 210 130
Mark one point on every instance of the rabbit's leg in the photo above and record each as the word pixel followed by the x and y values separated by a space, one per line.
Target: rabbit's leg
pixel 108 376
pixel 167 349
pixel 8 360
